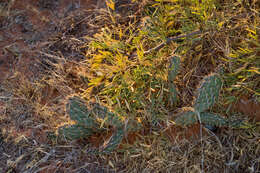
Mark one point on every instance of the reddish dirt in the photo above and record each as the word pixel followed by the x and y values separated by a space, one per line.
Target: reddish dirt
pixel 176 133
pixel 98 140
pixel 248 107
pixel 25 27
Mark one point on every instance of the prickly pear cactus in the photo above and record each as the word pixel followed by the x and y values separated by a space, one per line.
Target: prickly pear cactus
pixel 208 92
pixel 213 119
pixel 186 117
pixel 113 142
pixel 173 68
pixel 173 71
pixel 78 112
pixel 88 122
pixel 106 117
pixel 219 121
pixel 76 131
pixel 189 117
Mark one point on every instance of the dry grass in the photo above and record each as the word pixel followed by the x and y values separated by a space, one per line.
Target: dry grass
pixel 32 109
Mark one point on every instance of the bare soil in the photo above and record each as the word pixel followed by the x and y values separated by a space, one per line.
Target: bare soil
pixel 27 26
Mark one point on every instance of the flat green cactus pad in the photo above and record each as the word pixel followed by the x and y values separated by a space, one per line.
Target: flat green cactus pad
pixel 78 112
pixel 208 92
pixel 113 142
pixel 173 93
pixel 213 119
pixel 108 118
pixel 189 117
pixel 186 118
pixel 173 68
pixel 92 121
pixel 74 132
pixel 172 73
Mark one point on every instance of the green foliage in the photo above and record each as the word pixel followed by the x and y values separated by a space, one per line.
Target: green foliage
pixel 113 142
pixel 186 118
pixel 208 92
pixel 125 82
pixel 106 117
pixel 78 112
pixel 214 120
pixel 131 82
pixel 92 121
pixel 76 131
pixel 173 71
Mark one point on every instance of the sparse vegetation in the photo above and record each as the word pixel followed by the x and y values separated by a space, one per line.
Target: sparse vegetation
pixel 137 69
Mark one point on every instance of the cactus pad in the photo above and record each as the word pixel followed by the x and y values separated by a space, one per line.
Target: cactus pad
pixel 208 92
pixel 237 124
pixel 189 117
pixel 173 68
pixel 173 71
pixel 92 121
pixel 113 142
pixel 108 118
pixel 78 112
pixel 213 119
pixel 74 132
pixel 186 118
pixel 173 93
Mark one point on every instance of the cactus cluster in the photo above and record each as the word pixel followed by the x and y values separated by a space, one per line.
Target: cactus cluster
pixel 207 95
pixel 99 119
pixel 89 122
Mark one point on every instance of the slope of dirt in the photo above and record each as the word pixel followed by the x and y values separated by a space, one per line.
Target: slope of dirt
pixel 25 27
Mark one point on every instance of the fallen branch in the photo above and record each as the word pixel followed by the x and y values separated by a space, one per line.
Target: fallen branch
pixel 170 39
